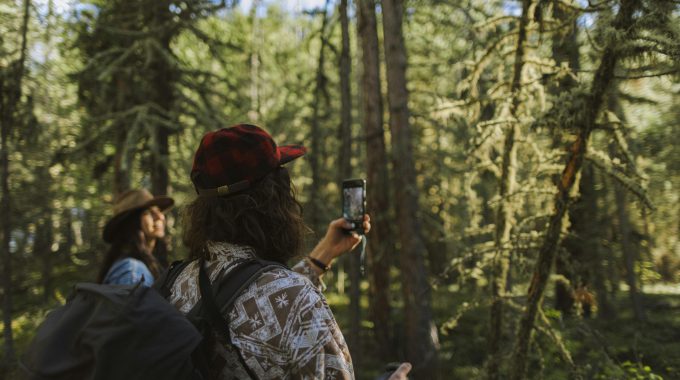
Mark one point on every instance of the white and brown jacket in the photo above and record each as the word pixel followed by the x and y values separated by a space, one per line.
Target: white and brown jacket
pixel 281 323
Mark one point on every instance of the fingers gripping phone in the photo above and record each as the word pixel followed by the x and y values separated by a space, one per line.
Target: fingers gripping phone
pixel 354 203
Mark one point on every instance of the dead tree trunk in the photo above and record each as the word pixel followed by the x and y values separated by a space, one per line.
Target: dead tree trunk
pixel 10 89
pixel 380 246
pixel 585 121
pixel 421 335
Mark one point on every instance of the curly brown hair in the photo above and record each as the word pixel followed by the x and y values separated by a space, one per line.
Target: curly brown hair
pixel 265 217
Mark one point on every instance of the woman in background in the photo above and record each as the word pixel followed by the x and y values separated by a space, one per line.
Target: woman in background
pixel 135 232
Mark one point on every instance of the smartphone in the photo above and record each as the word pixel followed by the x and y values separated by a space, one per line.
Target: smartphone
pixel 354 202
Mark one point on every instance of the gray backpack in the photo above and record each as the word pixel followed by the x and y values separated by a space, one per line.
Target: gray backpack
pixel 131 332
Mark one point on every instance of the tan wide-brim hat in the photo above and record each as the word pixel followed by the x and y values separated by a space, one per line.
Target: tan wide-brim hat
pixel 129 202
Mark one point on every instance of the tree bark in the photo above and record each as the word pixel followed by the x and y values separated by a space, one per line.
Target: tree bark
pixel 565 49
pixel 625 231
pixel 162 80
pixel 380 246
pixel 421 336
pixel 11 97
pixel 122 163
pixel 43 249
pixel 629 252
pixel 592 231
pixel 315 133
pixel 254 113
pixel 344 161
pixel 505 212
pixel 585 120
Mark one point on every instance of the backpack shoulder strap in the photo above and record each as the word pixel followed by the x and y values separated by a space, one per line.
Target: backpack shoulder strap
pixel 167 279
pixel 214 304
pixel 229 288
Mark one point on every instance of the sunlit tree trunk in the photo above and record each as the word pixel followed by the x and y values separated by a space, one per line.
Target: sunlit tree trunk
pixel 585 120
pixel 380 245
pixel 505 212
pixel 421 335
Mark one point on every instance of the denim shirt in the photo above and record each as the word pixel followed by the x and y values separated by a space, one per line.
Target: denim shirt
pixel 129 271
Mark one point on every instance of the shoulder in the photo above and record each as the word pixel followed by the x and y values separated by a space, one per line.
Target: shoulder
pixel 129 271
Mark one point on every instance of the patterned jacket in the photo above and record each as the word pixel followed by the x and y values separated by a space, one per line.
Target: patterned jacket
pixel 281 323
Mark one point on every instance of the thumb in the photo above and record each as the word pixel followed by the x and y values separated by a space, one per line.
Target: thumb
pixel 341 223
pixel 401 372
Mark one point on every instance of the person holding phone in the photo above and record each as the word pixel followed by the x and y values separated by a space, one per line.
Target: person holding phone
pixel 280 326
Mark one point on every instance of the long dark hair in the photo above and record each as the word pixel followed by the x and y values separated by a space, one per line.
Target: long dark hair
pixel 129 241
pixel 266 217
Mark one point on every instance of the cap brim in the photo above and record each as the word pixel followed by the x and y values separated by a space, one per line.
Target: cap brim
pixel 290 152
pixel 164 203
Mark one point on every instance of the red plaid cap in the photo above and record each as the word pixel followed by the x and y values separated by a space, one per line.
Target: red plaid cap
pixel 231 159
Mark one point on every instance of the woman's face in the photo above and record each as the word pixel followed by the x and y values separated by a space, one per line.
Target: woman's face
pixel 153 223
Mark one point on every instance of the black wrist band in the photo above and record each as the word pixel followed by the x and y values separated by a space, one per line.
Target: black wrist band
pixel 319 264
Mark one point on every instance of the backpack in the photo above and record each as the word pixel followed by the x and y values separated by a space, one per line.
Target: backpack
pixel 131 332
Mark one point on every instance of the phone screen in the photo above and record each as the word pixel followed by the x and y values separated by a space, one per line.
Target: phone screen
pixel 354 203
pixel 353 200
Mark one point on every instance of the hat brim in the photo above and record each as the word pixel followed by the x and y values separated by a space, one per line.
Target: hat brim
pixel 290 152
pixel 164 203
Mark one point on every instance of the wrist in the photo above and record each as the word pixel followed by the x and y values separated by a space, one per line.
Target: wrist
pixel 319 266
pixel 322 254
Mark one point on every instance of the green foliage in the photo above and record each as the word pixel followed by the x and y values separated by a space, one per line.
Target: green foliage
pixel 93 92
pixel 629 370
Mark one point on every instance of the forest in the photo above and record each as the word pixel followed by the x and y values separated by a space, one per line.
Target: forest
pixel 522 163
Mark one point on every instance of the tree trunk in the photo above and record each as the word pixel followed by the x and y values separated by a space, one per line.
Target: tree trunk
pixel 625 231
pixel 122 163
pixel 43 249
pixel 316 136
pixel 380 246
pixel 565 50
pixel 254 113
pixel 5 208
pixel 344 161
pixel 162 80
pixel 628 251
pixel 421 335
pixel 585 120
pixel 592 231
pixel 505 212
pixel 11 96
pixel 345 132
